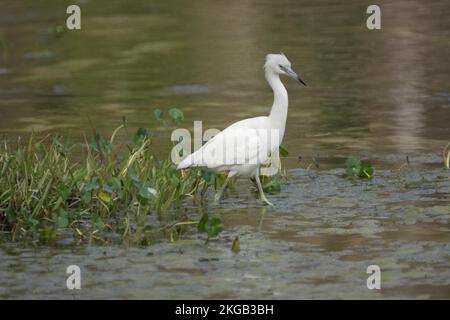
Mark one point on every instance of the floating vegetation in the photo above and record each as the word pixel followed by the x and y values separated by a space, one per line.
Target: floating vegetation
pixel 212 225
pixel 175 114
pixel 355 168
pixel 45 187
pixel 271 184
pixel 236 245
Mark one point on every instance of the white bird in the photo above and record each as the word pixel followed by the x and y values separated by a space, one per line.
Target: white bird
pixel 256 138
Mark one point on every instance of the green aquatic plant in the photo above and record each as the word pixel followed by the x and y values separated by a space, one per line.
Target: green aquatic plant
pixel 212 225
pixel 45 187
pixel 355 168
pixel 236 245
pixel 283 152
pixel 271 184
pixel 175 114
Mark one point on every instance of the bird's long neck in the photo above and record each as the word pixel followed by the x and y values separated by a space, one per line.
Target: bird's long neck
pixel 278 113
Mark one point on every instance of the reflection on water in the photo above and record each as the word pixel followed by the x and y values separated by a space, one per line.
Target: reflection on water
pixel 382 94
pixel 365 87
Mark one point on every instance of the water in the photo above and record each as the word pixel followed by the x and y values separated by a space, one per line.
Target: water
pixel 382 95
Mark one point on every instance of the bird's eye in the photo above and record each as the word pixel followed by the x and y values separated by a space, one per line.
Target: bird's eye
pixel 281 67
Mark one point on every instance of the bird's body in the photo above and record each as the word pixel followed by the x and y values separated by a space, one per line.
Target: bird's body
pixel 244 146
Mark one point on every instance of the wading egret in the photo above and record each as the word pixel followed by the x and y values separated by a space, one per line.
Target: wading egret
pixel 219 155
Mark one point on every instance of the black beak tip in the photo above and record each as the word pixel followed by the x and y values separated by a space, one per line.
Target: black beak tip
pixel 301 81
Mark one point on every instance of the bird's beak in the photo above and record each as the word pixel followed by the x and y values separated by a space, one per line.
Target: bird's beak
pixel 291 73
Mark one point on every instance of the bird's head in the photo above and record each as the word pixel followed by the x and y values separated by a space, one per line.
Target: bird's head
pixel 279 64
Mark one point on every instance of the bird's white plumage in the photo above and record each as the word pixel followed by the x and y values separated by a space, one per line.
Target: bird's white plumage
pixel 242 157
pixel 230 151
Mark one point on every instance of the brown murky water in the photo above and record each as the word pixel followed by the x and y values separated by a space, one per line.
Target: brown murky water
pixel 382 95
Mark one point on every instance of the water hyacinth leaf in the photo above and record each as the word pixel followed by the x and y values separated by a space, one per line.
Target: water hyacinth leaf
pixel 85 197
pixel 47 235
pixel 366 171
pixel 273 185
pixel 211 225
pixel 98 222
pixel 147 192
pixel 174 180
pixel 93 185
pixel 177 115
pixel 202 223
pixel 65 191
pixel 158 114
pixel 140 135
pixel 352 167
pixel 108 188
pixel 104 196
pixel 214 227
pixel 114 184
pixel 143 201
pixel 356 168
pixel 61 218
pixel 283 152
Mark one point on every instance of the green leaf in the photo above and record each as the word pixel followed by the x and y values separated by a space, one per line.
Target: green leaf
pixel 283 152
pixel 86 197
pixel 214 231
pixel 273 185
pixel 104 196
pixel 177 115
pixel 202 223
pixel 101 144
pixel 236 246
pixel 47 235
pixel 147 192
pixel 98 222
pixel 61 218
pixel 92 185
pixel 366 171
pixel 353 167
pixel 356 168
pixel 211 225
pixel 174 180
pixel 158 114
pixel 140 135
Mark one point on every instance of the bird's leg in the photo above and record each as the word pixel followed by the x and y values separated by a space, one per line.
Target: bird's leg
pixel 261 191
pixel 218 195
